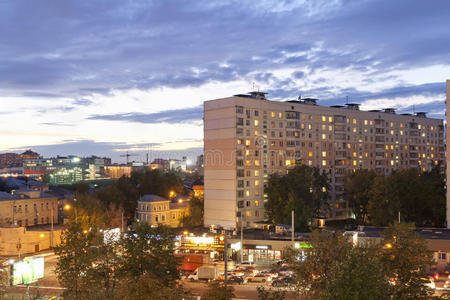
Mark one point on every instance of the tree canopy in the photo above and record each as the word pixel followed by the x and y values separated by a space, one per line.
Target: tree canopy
pixel 303 189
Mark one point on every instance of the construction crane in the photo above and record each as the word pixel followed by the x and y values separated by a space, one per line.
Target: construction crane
pixel 128 155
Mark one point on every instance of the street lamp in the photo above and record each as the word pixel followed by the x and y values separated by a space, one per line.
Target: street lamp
pixel 67 207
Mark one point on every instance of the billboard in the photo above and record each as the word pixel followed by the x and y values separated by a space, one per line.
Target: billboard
pixel 28 270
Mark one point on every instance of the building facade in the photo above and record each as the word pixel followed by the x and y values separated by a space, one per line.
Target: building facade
pixel 28 208
pixel 155 210
pixel 247 138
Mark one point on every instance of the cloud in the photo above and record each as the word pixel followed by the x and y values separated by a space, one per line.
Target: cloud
pixel 183 115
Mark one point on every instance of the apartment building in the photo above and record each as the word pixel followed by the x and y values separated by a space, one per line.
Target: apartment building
pixel 247 138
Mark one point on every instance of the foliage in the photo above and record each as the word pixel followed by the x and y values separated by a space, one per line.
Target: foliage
pixel 333 268
pixel 405 257
pixel 377 199
pixel 314 266
pixel 144 261
pixel 303 190
pixel 359 276
pixel 147 287
pixel 357 192
pixel 3 186
pixel 74 262
pixel 264 294
pixel 195 214
pixel 150 251
pixel 218 291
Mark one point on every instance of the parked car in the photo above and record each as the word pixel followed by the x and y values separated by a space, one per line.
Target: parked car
pixel 429 282
pixel 257 278
pixel 236 279
pixel 284 282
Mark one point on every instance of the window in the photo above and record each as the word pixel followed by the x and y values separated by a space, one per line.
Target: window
pixel 163 218
pixel 256 113
pixel 247 142
pixel 324 119
pixel 324 154
pixel 256 203
pixel 256 122
pixel 26 209
pixel 156 218
pixel 256 182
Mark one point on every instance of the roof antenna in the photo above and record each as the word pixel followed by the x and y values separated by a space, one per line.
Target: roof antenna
pixel 253 86
pixel 346 100
pixel 414 109
pixel 299 97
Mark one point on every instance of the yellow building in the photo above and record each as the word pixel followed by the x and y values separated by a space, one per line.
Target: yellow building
pixel 156 210
pixel 198 189
pixel 27 208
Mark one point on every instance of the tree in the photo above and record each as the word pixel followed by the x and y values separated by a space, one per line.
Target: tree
pixel 303 190
pixel 405 257
pixel 357 192
pixel 3 186
pixel 194 217
pixel 218 291
pixel 359 276
pixel 264 294
pixel 147 287
pixel 150 251
pixel 383 206
pixel 313 266
pixel 74 262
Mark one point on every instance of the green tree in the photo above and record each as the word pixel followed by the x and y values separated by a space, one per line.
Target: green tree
pixel 360 276
pixel 218 291
pixel 264 294
pixel 303 190
pixel 74 262
pixel 150 250
pixel 357 192
pixel 194 217
pixel 313 266
pixel 405 257
pixel 147 287
pixel 433 189
pixel 383 206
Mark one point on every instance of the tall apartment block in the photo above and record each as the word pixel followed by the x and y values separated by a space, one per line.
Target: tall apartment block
pixel 247 138
pixel 448 153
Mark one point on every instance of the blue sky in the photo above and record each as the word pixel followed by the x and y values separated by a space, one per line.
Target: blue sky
pixel 108 76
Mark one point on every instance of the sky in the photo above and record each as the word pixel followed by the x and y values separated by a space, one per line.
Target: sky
pixel 105 77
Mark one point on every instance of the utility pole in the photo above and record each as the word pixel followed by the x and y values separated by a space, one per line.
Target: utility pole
pixel 292 229
pixel 225 257
pixel 51 227
pixel 242 239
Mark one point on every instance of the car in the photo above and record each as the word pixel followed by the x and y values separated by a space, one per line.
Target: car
pixel 235 279
pixel 284 282
pixel 257 278
pixel 429 282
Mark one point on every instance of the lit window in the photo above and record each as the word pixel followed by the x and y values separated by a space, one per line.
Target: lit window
pixel 272 114
pixel 257 163
pixel 309 126
pixel 366 122
pixel 247 142
pixel 247 152
pixel 247 193
pixel 392 162
pixel 324 154
pixel 401 132
pixel 247 213
pixel 324 136
pixel 354 154
pixel 256 203
pixel 309 162
pixel 371 122
pixel 392 132
pixel 330 128
pixel 324 189
pixel 392 147
pixel 354 163
pixel 324 162
pixel 419 126
pixel 354 121
pixel 280 115
pixel 256 122
pixel 330 119
pixel 256 172
pixel 310 154
pixel 256 182
pixel 324 119
pixel 239 141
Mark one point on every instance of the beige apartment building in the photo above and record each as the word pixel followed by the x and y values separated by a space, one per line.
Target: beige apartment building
pixel 27 208
pixel 247 138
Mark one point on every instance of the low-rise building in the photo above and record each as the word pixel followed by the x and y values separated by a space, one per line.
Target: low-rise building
pixel 27 208
pixel 156 210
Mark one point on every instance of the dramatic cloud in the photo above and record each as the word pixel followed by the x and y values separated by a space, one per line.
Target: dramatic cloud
pixel 168 116
pixel 147 64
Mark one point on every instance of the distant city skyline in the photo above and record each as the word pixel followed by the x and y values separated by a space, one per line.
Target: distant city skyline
pixel 102 78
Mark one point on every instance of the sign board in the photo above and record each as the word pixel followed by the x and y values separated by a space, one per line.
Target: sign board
pixel 111 235
pixel 28 270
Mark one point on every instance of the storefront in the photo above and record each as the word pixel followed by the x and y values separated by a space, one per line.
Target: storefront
pixel 260 253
